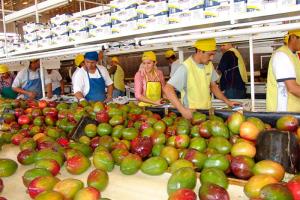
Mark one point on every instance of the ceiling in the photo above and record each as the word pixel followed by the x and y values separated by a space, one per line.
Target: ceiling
pixel 73 6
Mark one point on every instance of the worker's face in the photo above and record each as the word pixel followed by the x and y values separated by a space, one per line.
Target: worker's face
pixel 295 42
pixel 205 56
pixel 5 75
pixel 114 63
pixel 35 65
pixel 225 47
pixel 149 65
pixel 170 61
pixel 90 64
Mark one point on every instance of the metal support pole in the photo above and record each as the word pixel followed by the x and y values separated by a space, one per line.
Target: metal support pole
pixel 252 73
pixel 4 27
pixel 232 21
pixel 42 77
pixel 80 8
pixel 180 55
pixel 36 12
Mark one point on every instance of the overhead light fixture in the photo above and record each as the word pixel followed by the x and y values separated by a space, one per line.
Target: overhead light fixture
pixel 25 3
pixel 42 7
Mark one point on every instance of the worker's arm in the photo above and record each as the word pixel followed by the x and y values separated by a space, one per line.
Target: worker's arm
pixel 171 95
pixel 62 87
pixel 293 87
pixel 30 94
pixel 49 90
pixel 79 96
pixel 218 93
pixel 110 89
pixel 112 70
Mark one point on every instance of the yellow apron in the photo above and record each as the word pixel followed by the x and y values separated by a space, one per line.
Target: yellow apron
pixel 272 90
pixel 118 79
pixel 198 84
pixel 241 63
pixel 153 91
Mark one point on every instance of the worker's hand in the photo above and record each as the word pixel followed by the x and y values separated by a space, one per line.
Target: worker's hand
pixel 187 113
pixel 108 99
pixel 31 94
pixel 233 103
pixel 158 102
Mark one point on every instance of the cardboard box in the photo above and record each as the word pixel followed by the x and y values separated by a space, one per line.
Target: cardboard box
pixel 124 27
pixel 180 17
pixel 153 21
pixel 60 30
pixel 31 45
pixel 124 15
pixel 60 19
pixel 217 8
pixel 60 39
pixel 79 35
pixel 78 24
pixel 178 6
pixel 32 27
pixel 45 42
pixel 240 6
pixel 118 5
pixel 255 5
pixel 44 33
pixel 151 8
pixel 99 21
pixel 29 37
pixel 100 32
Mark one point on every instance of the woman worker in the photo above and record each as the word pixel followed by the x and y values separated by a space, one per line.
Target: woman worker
pixel 6 80
pixel 149 81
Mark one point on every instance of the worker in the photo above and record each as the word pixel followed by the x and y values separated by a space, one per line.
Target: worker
pixel 234 73
pixel 79 62
pixel 149 81
pixel 28 82
pixel 117 74
pixel 196 79
pixel 90 81
pixel 6 80
pixel 57 82
pixel 173 61
pixel 283 82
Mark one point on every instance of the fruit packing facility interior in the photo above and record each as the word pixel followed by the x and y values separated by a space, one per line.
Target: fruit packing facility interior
pixel 43 157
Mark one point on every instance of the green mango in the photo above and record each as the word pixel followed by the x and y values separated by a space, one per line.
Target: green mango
pixel 154 166
pixel 131 164
pixel 221 144
pixel 214 175
pixel 50 154
pixel 182 178
pixel 181 163
pixel 7 167
pixel 218 161
pixel 103 160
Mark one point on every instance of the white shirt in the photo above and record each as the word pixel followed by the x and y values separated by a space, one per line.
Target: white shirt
pixel 76 70
pixel 21 78
pixel 175 65
pixel 81 79
pixel 55 78
pixel 283 69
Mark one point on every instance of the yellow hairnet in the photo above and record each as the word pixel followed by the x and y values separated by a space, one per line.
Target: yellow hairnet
pixel 3 69
pixel 115 59
pixel 287 36
pixel 169 53
pixel 79 59
pixel 149 55
pixel 206 44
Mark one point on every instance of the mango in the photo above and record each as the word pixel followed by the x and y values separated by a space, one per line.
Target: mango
pixel 215 176
pixel 154 166
pixel 182 178
pixel 7 167
pixel 50 195
pixel 103 160
pixel 98 179
pixel 68 187
pixel 181 163
pixel 131 164
pixel 31 174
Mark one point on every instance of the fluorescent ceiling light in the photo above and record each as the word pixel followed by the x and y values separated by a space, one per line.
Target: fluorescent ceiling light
pixel 43 6
pixel 92 11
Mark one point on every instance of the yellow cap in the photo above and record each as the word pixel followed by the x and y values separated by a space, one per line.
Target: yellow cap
pixel 3 69
pixel 206 44
pixel 79 59
pixel 149 55
pixel 169 53
pixel 294 32
pixel 115 59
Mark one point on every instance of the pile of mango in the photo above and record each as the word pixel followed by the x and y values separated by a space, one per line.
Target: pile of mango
pixel 137 139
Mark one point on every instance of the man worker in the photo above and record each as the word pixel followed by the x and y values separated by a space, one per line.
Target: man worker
pixel 28 82
pixel 90 81
pixel 234 73
pixel 283 82
pixel 196 79
pixel 57 81
pixel 117 74
pixel 173 61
